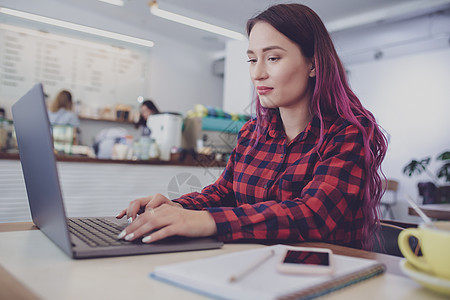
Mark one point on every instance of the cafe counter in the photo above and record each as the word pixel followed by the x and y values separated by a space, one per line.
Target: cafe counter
pixel 104 187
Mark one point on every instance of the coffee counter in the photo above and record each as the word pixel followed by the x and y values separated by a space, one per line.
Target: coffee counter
pixel 104 187
pixel 199 160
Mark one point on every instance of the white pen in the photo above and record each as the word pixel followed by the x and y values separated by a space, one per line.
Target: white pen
pixel 249 268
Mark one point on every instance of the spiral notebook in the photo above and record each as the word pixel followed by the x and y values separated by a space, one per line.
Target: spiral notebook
pixel 210 276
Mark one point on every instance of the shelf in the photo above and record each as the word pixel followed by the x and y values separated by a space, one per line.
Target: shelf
pixel 105 120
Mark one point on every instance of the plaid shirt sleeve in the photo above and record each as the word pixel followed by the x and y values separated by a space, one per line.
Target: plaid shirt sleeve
pixel 218 194
pixel 304 195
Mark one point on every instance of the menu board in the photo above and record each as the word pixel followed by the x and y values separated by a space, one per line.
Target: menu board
pixel 97 74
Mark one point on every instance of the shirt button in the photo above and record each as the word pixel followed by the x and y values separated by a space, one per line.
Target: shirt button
pixel 282 155
pixel 265 186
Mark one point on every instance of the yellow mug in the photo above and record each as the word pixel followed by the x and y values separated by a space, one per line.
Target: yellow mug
pixel 434 244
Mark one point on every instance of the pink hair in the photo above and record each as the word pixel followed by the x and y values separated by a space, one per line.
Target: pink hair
pixel 332 94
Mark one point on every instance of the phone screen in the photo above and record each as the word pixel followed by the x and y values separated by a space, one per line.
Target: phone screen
pixel 307 257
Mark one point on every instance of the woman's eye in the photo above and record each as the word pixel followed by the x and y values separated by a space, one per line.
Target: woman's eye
pixel 273 58
pixel 251 60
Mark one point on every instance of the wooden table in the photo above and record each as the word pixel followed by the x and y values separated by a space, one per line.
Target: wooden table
pixel 34 268
pixel 391 262
pixel 434 211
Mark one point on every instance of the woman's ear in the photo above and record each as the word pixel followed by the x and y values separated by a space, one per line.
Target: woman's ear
pixel 312 73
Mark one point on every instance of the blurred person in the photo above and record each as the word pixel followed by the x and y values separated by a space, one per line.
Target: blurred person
pixel 147 109
pixel 60 111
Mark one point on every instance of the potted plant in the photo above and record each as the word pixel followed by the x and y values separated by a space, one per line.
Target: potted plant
pixel 438 190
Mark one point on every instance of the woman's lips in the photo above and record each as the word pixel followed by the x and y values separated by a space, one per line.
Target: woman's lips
pixel 263 90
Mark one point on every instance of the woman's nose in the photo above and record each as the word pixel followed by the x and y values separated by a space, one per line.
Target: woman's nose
pixel 258 71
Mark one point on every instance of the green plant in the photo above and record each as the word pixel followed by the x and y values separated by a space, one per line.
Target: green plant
pixel 416 167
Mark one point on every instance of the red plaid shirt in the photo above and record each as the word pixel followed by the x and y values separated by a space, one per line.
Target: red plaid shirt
pixel 284 191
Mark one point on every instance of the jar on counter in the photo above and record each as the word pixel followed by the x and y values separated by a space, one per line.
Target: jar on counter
pixel 136 151
pixel 153 152
pixel 145 147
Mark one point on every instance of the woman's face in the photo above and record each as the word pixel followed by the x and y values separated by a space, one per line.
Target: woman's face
pixel 145 112
pixel 278 69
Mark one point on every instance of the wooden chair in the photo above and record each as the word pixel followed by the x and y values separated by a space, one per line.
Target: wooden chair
pixel 389 198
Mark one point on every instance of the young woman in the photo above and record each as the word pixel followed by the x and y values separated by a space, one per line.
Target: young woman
pixel 148 108
pixel 60 112
pixel 305 169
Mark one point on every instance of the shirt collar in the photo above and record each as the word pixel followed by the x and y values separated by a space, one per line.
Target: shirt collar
pixel 275 129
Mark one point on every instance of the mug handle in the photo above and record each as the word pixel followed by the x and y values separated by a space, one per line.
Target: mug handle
pixel 405 248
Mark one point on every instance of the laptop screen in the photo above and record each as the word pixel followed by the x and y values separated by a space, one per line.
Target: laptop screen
pixel 33 132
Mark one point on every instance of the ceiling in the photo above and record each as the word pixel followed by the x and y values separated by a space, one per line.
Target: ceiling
pixel 134 17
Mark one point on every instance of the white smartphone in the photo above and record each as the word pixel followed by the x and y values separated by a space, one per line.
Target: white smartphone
pixel 305 260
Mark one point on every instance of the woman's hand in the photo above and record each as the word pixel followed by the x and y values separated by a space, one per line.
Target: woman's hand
pixel 164 218
pixel 142 204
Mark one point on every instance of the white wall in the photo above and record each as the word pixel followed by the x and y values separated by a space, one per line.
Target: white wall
pixel 407 89
pixel 238 89
pixel 181 76
pixel 410 97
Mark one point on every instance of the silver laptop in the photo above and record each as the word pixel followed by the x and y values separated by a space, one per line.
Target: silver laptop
pixel 78 237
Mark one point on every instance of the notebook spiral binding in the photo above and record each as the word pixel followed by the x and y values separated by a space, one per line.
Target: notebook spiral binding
pixel 337 284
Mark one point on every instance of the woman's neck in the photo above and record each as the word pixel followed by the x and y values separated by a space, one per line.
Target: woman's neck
pixel 295 119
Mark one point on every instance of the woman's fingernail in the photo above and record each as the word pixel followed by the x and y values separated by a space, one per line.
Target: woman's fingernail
pixel 129 237
pixel 147 239
pixel 122 234
pixel 130 219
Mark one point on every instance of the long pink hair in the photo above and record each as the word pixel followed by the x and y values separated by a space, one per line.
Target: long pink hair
pixel 332 95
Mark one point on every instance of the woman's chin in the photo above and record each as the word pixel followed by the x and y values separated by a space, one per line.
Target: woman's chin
pixel 266 103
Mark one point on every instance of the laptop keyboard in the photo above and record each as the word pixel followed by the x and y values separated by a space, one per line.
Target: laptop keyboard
pixel 96 232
